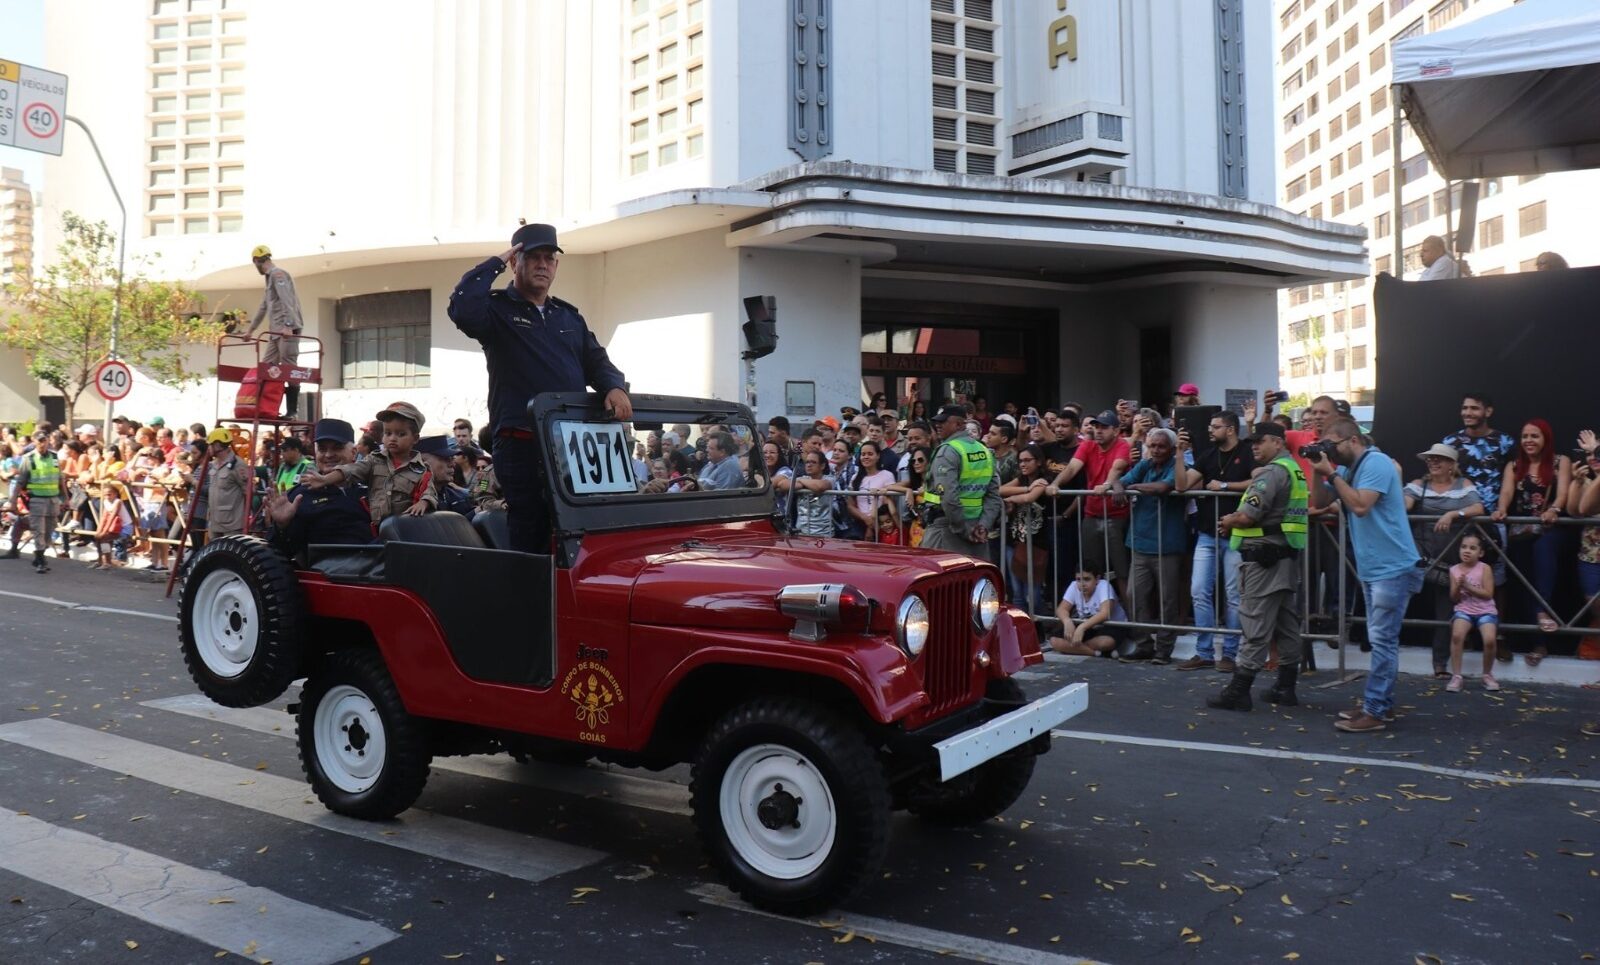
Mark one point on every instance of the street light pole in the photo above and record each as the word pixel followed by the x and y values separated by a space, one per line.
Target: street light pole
pixel 122 250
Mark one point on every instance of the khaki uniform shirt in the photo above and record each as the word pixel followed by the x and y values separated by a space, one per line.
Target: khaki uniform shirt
pixel 227 485
pixel 280 305
pixel 391 490
pixel 485 491
pixel 1267 503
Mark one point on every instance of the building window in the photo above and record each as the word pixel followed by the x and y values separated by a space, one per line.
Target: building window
pixel 1412 168
pixel 1352 157
pixel 1358 357
pixel 1414 213
pixel 1338 360
pixel 1445 12
pixel 1380 265
pixel 1296 188
pixel 1299 367
pixel 1295 154
pixel 1374 19
pixel 1340 320
pixel 1337 205
pixel 1530 220
pixel 1355 197
pixel 1380 142
pixel 1380 184
pixel 1289 87
pixel 1358 313
pixel 638 163
pixel 385 339
pixel 1335 165
pixel 1335 129
pixel 1380 225
pixel 1352 76
pixel 1380 99
pixel 1491 232
pixel 1377 59
pixel 1315 175
pixel 1335 88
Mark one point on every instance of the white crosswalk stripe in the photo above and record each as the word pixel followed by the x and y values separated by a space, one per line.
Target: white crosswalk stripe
pixel 452 839
pixel 212 908
pixel 592 782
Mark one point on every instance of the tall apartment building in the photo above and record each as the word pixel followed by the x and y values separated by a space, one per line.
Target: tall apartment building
pixel 1335 160
pixel 946 196
pixel 16 226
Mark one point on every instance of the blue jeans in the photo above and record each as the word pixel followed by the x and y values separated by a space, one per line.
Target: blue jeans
pixel 1203 590
pixel 1386 607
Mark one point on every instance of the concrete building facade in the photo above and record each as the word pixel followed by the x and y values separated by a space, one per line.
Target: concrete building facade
pixel 1335 160
pixel 946 197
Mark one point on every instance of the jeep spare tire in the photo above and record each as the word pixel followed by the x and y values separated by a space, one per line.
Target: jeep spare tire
pixel 791 804
pixel 240 621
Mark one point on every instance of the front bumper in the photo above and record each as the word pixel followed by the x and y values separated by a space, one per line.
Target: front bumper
pixel 964 751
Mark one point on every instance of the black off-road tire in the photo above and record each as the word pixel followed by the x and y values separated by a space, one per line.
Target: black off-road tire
pixel 852 774
pixel 983 792
pixel 241 621
pixel 403 764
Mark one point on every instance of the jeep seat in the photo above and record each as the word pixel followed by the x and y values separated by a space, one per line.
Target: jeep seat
pixel 440 529
pixel 492 526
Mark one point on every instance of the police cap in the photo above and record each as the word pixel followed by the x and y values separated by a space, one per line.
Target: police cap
pixel 531 236
pixel 441 446
pixel 950 412
pixel 334 430
pixel 1264 429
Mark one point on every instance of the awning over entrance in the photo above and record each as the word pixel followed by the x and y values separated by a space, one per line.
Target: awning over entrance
pixel 1515 92
pixel 1068 232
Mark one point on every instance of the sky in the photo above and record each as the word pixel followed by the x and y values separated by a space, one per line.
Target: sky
pixel 24 43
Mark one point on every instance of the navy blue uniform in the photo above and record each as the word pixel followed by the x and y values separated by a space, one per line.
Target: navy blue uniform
pixel 527 352
pixel 333 514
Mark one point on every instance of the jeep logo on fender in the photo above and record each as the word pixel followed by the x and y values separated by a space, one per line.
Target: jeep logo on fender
pixel 594 693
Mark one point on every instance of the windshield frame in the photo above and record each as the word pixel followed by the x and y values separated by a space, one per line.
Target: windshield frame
pixel 576 514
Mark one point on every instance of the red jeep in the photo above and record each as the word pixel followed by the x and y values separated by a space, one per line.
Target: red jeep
pixel 815 685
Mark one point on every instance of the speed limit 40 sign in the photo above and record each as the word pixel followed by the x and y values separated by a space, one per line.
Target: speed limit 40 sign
pixel 113 380
pixel 33 107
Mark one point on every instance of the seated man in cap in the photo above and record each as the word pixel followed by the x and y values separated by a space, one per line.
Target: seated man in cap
pixel 398 480
pixel 333 514
pixel 438 452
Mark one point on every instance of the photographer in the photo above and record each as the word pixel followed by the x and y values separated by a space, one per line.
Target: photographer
pixel 1385 555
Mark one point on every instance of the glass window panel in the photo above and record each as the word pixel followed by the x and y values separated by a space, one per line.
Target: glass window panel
pixel 639 99
pixel 668 88
pixel 200 28
pixel 164 31
pixel 196 226
pixel 874 339
pixel 163 128
pixel 232 75
pixel 165 104
pixel 163 178
pixel 233 27
pixel 198 52
pixel 638 131
pixel 233 50
pixel 668 153
pixel 163 226
pixel 230 125
pixel 696 77
pixel 694 145
pixel 232 174
pixel 668 23
pixel 669 55
pixel 667 121
pixel 197 125
pixel 696 112
pixel 229 199
pixel 638 163
pixel 697 44
pixel 194 176
pixel 230 150
pixel 163 79
pixel 640 67
pixel 694 11
pixel 163 202
pixel 196 201
pixel 200 151
pixel 231 99
pixel 163 152
pixel 199 78
pixel 230 223
pixel 639 36
pixel 165 55
pixel 197 102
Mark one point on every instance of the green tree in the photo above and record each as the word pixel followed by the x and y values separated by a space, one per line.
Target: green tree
pixel 62 316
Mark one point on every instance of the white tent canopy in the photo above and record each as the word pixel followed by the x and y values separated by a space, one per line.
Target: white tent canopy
pixel 1515 92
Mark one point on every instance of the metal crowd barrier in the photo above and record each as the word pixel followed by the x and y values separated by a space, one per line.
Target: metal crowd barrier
pixel 1328 572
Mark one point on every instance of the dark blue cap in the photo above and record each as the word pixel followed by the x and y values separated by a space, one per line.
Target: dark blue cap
pixel 531 236
pixel 436 446
pixel 334 430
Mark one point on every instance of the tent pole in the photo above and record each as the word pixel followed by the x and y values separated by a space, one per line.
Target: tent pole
pixel 1399 242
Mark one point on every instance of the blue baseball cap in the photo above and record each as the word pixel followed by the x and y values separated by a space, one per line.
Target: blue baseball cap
pixel 334 430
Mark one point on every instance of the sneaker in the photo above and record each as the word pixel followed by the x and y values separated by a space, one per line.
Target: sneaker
pixel 1489 683
pixel 1161 659
pixel 1361 712
pixel 1360 724
pixel 1454 686
pixel 1226 665
pixel 1195 663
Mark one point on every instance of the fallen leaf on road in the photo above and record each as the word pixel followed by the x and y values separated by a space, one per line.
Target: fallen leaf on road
pixel 221 901
pixel 1462 897
pixel 453 956
pixel 1237 920
pixel 1292 956
pixel 580 892
pixel 250 949
pixel 131 944
pixel 1285 899
pixel 844 939
pixel 263 849
pixel 1012 930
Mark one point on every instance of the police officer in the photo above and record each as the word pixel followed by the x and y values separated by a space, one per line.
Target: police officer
pixel 40 477
pixel 437 452
pixel 332 514
pixel 532 343
pixel 292 463
pixel 963 493
pixel 1269 531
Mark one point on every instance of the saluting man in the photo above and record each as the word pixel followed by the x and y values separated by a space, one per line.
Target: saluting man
pixel 1269 531
pixel 532 342
pixel 963 493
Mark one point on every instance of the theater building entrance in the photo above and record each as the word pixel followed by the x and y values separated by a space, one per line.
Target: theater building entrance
pixel 933 352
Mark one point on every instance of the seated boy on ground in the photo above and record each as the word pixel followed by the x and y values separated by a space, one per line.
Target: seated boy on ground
pixel 397 480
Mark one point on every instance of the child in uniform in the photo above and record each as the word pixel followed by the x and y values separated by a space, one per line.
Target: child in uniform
pixel 398 481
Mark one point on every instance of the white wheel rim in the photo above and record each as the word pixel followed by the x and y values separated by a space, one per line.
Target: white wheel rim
pixel 767 784
pixel 349 739
pixel 226 624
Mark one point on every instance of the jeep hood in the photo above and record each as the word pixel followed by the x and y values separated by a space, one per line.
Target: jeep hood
pixel 733 584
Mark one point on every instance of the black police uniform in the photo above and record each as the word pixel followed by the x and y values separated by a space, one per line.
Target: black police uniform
pixel 527 351
pixel 333 514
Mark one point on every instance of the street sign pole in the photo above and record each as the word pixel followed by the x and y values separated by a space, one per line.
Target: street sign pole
pixel 122 250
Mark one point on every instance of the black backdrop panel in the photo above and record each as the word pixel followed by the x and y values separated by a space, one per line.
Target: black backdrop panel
pixel 1531 341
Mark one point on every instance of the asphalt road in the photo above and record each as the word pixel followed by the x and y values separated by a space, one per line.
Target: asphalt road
pixel 139 824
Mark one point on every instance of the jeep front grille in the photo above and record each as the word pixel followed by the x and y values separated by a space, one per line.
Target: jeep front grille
pixel 947 666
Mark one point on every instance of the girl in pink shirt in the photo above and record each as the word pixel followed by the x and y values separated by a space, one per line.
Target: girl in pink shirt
pixel 1472 592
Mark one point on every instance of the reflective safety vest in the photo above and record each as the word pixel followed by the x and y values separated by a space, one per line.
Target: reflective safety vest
pixel 977 468
pixel 289 474
pixel 44 476
pixel 1293 526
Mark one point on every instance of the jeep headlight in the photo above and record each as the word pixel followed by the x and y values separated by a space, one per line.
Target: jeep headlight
pixel 985 606
pixel 911 625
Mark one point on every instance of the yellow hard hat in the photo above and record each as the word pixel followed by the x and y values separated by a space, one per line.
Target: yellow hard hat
pixel 220 435
pixel 260 251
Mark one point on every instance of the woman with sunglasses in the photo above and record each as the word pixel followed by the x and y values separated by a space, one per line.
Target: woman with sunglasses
pixel 913 482
pixel 813 507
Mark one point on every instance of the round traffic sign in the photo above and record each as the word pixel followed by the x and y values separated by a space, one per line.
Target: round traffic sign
pixel 113 380
pixel 41 120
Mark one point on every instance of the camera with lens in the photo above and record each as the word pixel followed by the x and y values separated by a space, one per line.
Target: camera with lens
pixel 1319 448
